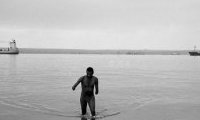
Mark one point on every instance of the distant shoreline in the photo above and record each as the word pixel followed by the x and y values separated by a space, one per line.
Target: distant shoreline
pixel 120 52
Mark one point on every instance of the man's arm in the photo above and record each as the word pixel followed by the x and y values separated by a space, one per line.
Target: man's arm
pixel 79 80
pixel 96 86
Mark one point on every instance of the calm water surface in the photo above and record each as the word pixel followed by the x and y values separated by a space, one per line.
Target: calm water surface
pixel 41 82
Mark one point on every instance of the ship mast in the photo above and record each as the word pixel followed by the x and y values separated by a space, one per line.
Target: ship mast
pixel 195 48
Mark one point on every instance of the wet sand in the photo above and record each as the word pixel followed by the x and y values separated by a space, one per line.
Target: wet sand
pixel 153 111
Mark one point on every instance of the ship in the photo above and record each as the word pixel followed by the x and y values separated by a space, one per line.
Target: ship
pixel 194 52
pixel 10 50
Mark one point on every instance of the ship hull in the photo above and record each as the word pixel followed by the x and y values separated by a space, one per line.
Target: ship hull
pixel 10 52
pixel 194 53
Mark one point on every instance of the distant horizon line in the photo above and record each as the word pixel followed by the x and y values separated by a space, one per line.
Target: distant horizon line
pixel 111 49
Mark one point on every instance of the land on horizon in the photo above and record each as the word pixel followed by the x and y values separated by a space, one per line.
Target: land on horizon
pixel 101 51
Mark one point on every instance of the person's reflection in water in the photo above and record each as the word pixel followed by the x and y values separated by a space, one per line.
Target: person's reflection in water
pixel 83 118
pixel 92 118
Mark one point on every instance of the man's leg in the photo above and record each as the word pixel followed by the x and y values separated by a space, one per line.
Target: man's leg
pixel 91 103
pixel 83 106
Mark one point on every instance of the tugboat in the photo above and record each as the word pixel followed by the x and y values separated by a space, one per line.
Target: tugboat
pixel 194 53
pixel 11 50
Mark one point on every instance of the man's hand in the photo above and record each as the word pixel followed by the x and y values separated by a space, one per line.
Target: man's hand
pixel 73 88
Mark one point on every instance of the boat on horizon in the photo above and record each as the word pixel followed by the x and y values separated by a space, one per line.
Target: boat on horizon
pixel 10 50
pixel 194 52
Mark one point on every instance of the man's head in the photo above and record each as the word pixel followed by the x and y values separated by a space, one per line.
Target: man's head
pixel 90 71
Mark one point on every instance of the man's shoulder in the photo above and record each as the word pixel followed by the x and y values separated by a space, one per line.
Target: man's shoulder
pixel 82 77
pixel 95 77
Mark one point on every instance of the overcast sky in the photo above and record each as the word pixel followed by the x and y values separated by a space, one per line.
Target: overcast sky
pixel 101 24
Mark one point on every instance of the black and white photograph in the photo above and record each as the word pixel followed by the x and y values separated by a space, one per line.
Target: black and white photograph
pixel 99 59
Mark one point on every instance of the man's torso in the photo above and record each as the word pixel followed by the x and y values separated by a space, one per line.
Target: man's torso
pixel 88 85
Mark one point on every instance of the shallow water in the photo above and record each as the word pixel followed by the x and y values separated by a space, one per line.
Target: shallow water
pixel 42 82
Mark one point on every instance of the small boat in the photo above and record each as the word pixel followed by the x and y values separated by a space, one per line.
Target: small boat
pixel 10 50
pixel 194 53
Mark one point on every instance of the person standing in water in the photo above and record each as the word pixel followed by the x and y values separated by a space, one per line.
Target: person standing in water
pixel 88 82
